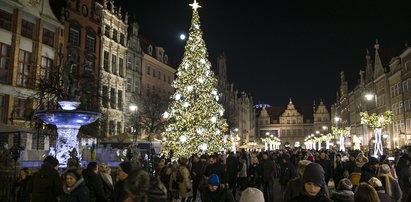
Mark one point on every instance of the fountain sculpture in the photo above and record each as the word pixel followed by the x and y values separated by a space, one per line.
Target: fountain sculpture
pixel 68 122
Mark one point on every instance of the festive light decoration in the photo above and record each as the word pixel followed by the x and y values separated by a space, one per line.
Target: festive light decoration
pixel 377 122
pixel 194 111
pixel 341 133
pixel 271 143
pixel 327 138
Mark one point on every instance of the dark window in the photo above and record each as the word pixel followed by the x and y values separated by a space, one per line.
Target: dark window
pixel 48 37
pixel 107 31
pixel 105 63
pixel 23 71
pixel 84 10
pixel 89 64
pixel 113 98
pixel 120 66
pixel 103 128
pixel 128 84
pixel 4 63
pixel 27 29
pixel 5 20
pixel 120 99
pixel 19 108
pixel 148 70
pixel 164 77
pixel 45 68
pixel 105 96
pixel 74 37
pixel 129 64
pixel 114 64
pixel 159 75
pixel 115 35
pixel 90 43
pixel 154 73
pixel 112 128
pixel 122 39
pixel 119 128
pixel 2 107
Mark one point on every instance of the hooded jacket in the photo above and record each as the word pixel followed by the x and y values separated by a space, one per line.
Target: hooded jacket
pixel 95 186
pixel 45 185
pixel 77 193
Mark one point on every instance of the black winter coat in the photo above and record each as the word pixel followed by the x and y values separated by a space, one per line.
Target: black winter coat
pixel 220 195
pixel 95 186
pixel 78 193
pixel 232 165
pixel 119 194
pixel 338 172
pixel 269 170
pixel 157 192
pixel 367 172
pixel 294 188
pixel 23 194
pixel 217 169
pixel 343 196
pixel 306 198
pixel 287 173
pixel 45 185
pixel 326 164
pixel 107 186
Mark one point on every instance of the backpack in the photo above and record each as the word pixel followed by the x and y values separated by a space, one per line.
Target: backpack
pixel 355 178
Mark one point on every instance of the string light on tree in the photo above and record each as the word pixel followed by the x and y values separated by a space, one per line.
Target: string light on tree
pixel 194 113
pixel 377 122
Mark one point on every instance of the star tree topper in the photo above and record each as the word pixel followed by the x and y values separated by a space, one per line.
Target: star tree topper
pixel 195 5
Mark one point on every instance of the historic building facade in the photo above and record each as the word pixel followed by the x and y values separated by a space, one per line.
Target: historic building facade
pixel 133 75
pixel 113 59
pixel 386 78
pixel 292 124
pixel 82 52
pixel 30 37
pixel 239 110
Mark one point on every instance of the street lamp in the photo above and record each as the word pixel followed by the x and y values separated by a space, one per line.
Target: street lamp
pixel 395 140
pixel 369 96
pixel 133 108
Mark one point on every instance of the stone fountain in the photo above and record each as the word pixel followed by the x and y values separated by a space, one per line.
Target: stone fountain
pixel 68 122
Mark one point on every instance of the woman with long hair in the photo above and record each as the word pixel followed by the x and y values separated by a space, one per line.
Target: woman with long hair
pixel 365 193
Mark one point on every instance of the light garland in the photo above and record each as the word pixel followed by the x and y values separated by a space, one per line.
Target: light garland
pixel 376 121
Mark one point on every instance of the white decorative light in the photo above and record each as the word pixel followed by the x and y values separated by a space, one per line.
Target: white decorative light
pixel 190 88
pixel 217 98
pixel 177 96
pixel 200 130
pixel 186 66
pixel 203 146
pixel 369 96
pixel 214 92
pixel 218 132
pixel 165 115
pixel 183 138
pixel 186 104
pixel 221 112
pixel 201 80
pixel 213 119
pixel 203 61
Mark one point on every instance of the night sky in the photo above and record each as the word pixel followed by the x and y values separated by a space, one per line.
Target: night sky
pixel 280 50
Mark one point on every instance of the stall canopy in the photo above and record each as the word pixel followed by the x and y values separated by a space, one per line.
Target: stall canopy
pixel 8 129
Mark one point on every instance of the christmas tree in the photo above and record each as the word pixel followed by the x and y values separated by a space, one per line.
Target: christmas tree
pixel 196 123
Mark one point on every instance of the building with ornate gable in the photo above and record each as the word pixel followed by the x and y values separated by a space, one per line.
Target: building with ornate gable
pixel 292 124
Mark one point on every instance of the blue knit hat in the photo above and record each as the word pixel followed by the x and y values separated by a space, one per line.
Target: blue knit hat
pixel 213 180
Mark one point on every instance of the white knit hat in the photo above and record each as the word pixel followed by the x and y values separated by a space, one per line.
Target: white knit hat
pixel 252 194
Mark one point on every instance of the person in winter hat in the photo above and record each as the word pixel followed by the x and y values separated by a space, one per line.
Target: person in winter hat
pixel 215 192
pixel 369 169
pixel 344 191
pixel 355 176
pixel 75 189
pixel 365 193
pixel 252 194
pixel 123 171
pixel 391 186
pixel 295 186
pixel 313 184
pixel 376 183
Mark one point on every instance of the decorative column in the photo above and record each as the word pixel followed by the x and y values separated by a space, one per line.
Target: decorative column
pixel 341 134
pixel 377 122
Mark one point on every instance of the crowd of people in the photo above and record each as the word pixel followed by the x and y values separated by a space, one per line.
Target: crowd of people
pixel 243 176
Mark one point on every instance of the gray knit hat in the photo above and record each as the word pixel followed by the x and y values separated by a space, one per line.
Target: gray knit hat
pixel 314 173
pixel 344 184
pixel 252 194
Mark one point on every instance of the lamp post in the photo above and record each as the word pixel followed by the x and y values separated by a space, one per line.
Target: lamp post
pixel 133 109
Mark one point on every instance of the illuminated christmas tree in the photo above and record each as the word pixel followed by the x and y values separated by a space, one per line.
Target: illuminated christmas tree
pixel 196 123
